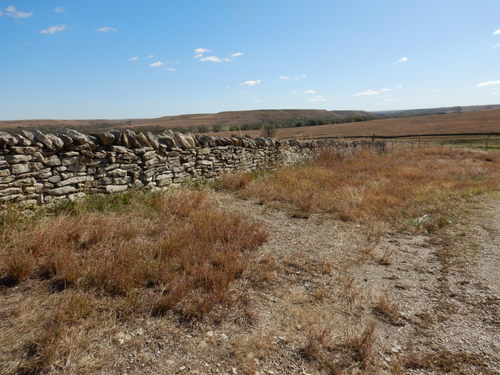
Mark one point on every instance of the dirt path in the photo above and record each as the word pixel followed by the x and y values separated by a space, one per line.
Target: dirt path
pixel 445 288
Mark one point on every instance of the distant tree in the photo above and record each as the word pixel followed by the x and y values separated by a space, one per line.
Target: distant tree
pixel 268 131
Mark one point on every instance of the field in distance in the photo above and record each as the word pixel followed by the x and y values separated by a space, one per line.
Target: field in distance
pixel 202 121
pixel 468 122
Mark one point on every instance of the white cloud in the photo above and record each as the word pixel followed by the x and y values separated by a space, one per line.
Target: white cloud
pixel 495 45
pixel 106 29
pixel 367 93
pixel 317 99
pixel 200 55
pixel 152 56
pixel 489 83
pixel 156 64
pixel 401 60
pixel 385 90
pixel 309 92
pixel 134 58
pixel 211 58
pixel 252 83
pixel 201 51
pixel 301 76
pixel 58 10
pixel 293 92
pixel 283 78
pixel 11 11
pixel 54 29
pixel 496 32
pixel 170 69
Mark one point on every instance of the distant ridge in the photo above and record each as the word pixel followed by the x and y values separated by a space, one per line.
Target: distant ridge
pixel 235 121
pixel 229 120
pixel 435 111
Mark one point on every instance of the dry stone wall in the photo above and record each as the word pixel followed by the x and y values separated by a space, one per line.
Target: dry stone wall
pixel 43 169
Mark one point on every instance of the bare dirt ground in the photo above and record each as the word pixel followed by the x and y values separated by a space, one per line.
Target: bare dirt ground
pixel 329 297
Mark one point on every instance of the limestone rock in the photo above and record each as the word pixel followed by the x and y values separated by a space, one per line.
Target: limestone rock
pixel 106 138
pixel 56 141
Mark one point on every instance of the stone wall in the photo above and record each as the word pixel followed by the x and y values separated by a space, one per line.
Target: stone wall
pixel 43 169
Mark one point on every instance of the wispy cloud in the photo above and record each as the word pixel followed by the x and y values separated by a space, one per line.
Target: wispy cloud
pixel 496 32
pixel 317 99
pixel 157 64
pixel 309 92
pixel 372 92
pixel 106 29
pixel 201 51
pixel 151 56
pixel 11 11
pixel 301 76
pixel 251 83
pixel 495 45
pixel 58 10
pixel 488 83
pixel 283 78
pixel 401 60
pixel 200 55
pixel 169 69
pixel 210 58
pixel 134 58
pixel 54 29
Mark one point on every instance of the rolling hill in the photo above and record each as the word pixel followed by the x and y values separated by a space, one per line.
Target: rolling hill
pixel 465 122
pixel 205 121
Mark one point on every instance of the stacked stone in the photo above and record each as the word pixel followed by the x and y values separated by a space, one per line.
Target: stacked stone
pixel 43 169
pixel 38 168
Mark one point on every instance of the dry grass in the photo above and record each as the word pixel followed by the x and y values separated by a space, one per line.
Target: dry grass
pixel 412 189
pixel 133 255
pixel 468 122
pixel 446 362
pixel 338 353
pixel 387 310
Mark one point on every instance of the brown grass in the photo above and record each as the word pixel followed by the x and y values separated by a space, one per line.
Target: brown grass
pixel 413 189
pixel 336 354
pixel 387 310
pixel 468 122
pixel 165 253
pixel 446 362
pixel 184 248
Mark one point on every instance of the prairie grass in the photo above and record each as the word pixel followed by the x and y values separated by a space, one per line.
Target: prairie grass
pixel 132 255
pixel 177 243
pixel 412 189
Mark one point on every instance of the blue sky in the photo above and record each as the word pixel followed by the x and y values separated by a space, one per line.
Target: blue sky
pixel 131 59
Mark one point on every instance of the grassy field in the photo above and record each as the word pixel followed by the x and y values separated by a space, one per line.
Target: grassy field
pixel 224 120
pixel 400 188
pixel 471 122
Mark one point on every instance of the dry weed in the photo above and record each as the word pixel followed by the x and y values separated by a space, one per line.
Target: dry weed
pixel 336 354
pixel 387 310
